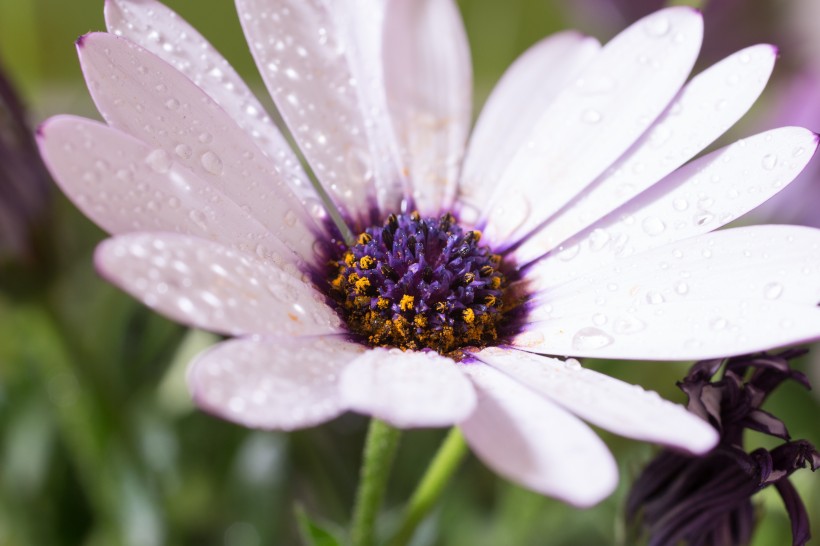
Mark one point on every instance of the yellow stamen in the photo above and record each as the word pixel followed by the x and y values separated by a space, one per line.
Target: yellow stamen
pixel 367 262
pixel 495 283
pixel 406 302
pixel 382 303
pixel 469 315
pixel 364 238
pixel 362 285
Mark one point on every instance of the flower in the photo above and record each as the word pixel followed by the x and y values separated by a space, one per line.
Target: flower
pixel 572 197
pixel 24 181
pixel 707 500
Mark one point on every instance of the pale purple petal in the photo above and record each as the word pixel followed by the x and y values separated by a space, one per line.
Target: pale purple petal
pixel 704 109
pixel 321 64
pixel 535 443
pixel 408 389
pixel 606 402
pixel 697 198
pixel 614 100
pixel 511 112
pixel 428 77
pixel 280 383
pixel 112 177
pixel 210 286
pixel 139 93
pixel 164 33
pixel 722 294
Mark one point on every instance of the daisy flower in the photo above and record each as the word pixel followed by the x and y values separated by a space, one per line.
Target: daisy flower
pixel 445 270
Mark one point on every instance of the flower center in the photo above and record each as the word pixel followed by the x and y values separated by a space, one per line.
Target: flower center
pixel 417 283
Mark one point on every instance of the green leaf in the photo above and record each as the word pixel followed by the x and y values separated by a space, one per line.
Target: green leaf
pixel 312 533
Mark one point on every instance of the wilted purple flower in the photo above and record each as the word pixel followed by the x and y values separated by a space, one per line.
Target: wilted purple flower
pixel 706 501
pixel 24 181
pixel 595 222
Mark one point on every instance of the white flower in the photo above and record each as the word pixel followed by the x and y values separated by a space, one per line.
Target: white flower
pixel 576 171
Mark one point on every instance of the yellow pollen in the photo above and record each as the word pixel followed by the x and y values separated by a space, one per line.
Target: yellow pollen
pixel 337 282
pixel 489 301
pixel 406 302
pixel 352 278
pixel 421 321
pixel 382 303
pixel 468 278
pixel 469 315
pixel 362 285
pixel 476 235
pixel 495 283
pixel 415 216
pixel 367 262
pixel 349 259
pixel 441 307
pixel 364 238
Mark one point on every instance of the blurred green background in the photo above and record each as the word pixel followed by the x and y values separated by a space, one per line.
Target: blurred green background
pixel 99 442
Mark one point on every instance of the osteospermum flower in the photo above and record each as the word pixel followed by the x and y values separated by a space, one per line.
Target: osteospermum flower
pixel 571 225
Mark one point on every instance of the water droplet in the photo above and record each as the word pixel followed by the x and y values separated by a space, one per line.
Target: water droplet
pixel 599 319
pixel 198 217
pixel 591 116
pixel 291 73
pixel 703 218
pixel 773 290
pixel 654 298
pixel 211 163
pixel 183 151
pixel 719 323
pixel 290 218
pixel 159 161
pixel 572 364
pixel 598 239
pixel 681 288
pixel 206 138
pixel 172 104
pixel 653 226
pixel 590 338
pixel 628 325
pixel 680 204
pixel 568 253
pixel 769 161
pixel 657 26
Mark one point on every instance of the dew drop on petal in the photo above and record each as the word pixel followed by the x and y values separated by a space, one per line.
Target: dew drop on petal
pixel 769 161
pixel 653 226
pixel 572 364
pixel 599 319
pixel 211 163
pixel 681 288
pixel 159 161
pixel 657 26
pixel 719 323
pixel 591 116
pixel 183 151
pixel 591 338
pixel 773 290
pixel 654 298
pixel 628 325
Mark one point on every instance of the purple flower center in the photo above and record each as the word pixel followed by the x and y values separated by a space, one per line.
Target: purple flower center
pixel 420 283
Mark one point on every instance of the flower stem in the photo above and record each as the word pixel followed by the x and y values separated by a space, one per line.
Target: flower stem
pixel 441 469
pixel 379 450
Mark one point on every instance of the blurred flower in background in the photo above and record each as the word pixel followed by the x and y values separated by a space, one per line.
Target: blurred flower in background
pixel 707 501
pixel 24 182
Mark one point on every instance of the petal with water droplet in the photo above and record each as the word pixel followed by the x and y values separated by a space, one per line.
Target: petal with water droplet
pixel 123 80
pixel 511 112
pixel 604 401
pixel 581 134
pixel 135 188
pixel 535 443
pixel 716 188
pixel 280 383
pixel 209 286
pixel 428 78
pixel 164 33
pixel 408 389
pixel 321 62
pixel 682 131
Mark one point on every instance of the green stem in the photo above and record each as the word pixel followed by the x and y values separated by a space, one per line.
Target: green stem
pixel 379 450
pixel 441 469
pixel 697 4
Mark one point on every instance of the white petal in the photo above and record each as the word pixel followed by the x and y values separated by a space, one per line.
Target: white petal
pixel 511 113
pixel 144 96
pixel 281 383
pixel 428 77
pixel 408 389
pixel 590 124
pixel 112 177
pixel 164 33
pixel 321 64
pixel 697 198
pixel 604 401
pixel 704 109
pixel 722 294
pixel 210 286
pixel 531 441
